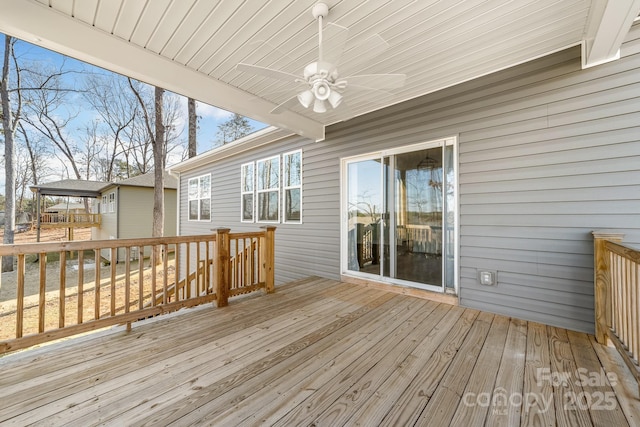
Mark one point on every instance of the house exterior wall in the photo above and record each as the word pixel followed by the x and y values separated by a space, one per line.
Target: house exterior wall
pixel 136 212
pixel 547 153
pixel 134 206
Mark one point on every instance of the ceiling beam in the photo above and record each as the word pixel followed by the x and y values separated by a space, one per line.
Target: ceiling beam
pixel 608 23
pixel 37 24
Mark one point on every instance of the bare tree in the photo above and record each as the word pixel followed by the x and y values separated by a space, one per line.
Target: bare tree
pixel 159 163
pixel 10 119
pixel 110 97
pixel 156 132
pixel 193 127
pixel 49 111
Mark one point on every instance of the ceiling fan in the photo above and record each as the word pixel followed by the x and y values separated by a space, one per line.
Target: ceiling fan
pixel 322 86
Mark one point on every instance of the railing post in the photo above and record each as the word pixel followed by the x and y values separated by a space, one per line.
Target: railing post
pixel 267 257
pixel 221 266
pixel 602 283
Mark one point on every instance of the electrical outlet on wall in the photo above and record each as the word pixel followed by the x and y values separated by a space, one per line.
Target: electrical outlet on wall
pixel 488 277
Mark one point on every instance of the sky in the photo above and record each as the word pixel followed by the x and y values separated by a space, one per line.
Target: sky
pixel 210 116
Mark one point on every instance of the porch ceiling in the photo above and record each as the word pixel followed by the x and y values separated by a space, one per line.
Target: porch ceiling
pixel 192 46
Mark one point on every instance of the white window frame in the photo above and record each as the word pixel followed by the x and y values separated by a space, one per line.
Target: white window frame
pixel 198 197
pixel 112 202
pixel 104 208
pixel 285 187
pixel 260 191
pixel 244 192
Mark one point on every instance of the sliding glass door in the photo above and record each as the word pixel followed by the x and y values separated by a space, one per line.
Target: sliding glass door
pixel 400 216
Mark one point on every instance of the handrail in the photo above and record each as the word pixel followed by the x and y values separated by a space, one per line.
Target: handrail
pixel 617 292
pixel 64 219
pixel 52 301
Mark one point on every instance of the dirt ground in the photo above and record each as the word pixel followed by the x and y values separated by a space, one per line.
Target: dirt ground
pixel 8 288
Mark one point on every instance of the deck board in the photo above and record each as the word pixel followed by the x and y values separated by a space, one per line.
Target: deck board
pixel 317 352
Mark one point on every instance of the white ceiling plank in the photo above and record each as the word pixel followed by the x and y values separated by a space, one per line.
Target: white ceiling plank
pixel 171 20
pixel 30 20
pixel 64 6
pixel 149 21
pixel 107 14
pixel 128 19
pixel 609 23
pixel 278 14
pixel 85 10
pixel 193 21
pixel 225 25
pixel 247 51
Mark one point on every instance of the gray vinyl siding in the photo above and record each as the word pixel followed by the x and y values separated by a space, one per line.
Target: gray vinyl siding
pixel 547 153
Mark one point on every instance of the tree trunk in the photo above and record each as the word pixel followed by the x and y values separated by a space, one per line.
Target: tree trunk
pixel 9 158
pixel 158 157
pixel 193 126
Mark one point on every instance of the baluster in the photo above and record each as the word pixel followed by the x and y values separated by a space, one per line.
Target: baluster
pixel 114 259
pixel 140 277
pixel 96 291
pixel 80 285
pixel 61 293
pixel 43 289
pixel 20 297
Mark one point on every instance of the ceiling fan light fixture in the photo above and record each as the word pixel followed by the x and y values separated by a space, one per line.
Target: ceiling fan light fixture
pixel 319 106
pixel 335 98
pixel 321 90
pixel 306 98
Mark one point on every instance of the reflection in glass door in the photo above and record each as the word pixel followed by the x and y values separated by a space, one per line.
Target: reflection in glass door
pixel 401 216
pixel 414 207
pixel 364 201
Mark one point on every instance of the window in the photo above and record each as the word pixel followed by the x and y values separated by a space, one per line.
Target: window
pixel 268 189
pixel 104 207
pixel 292 186
pixel 200 198
pixel 248 178
pixel 112 202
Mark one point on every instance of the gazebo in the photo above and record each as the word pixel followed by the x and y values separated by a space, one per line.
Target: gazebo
pixel 67 188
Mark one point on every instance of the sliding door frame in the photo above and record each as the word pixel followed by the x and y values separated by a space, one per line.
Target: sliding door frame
pixel 344 215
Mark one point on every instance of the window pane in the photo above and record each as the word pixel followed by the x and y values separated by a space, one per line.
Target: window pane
pixel 263 175
pixel 205 209
pixel 269 174
pixel 193 188
pixel 247 207
pixel 292 169
pixel 274 177
pixel 205 187
pixel 193 209
pixel 292 205
pixel 247 177
pixel 268 206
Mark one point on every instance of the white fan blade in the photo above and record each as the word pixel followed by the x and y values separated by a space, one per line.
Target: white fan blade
pixel 285 105
pixel 364 53
pixel 266 72
pixel 376 81
pixel 334 38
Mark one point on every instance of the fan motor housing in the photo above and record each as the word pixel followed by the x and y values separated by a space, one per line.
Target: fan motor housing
pixel 322 70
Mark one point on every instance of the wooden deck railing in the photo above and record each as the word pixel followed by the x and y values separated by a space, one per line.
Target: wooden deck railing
pixel 62 289
pixel 617 295
pixel 50 220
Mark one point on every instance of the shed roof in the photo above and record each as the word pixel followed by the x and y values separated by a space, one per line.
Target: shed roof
pixel 146 180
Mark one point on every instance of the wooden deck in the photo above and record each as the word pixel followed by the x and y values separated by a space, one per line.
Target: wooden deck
pixel 322 353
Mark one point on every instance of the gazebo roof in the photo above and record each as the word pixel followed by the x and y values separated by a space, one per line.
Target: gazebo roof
pixel 70 187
